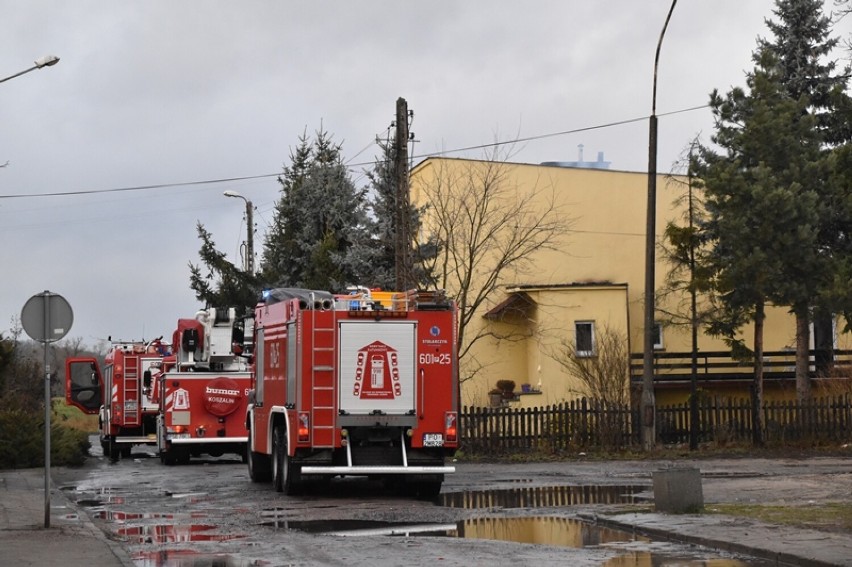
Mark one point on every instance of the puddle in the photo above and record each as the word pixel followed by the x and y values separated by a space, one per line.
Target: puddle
pixel 361 527
pixel 121 517
pixel 647 558
pixel 173 533
pixel 543 496
pixel 632 550
pixel 189 558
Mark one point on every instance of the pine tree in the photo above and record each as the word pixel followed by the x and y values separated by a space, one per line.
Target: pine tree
pixel 320 236
pixel 801 47
pixel 383 183
pixel 223 284
pixel 762 221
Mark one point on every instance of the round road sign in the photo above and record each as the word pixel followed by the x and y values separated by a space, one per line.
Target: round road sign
pixel 47 317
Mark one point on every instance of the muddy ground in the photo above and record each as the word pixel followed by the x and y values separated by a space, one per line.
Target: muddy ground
pixel 210 513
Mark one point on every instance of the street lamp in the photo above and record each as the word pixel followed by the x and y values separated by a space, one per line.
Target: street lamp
pixel 249 229
pixel 648 403
pixel 46 61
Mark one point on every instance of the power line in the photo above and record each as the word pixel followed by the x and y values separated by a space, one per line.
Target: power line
pixel 139 187
pixel 352 166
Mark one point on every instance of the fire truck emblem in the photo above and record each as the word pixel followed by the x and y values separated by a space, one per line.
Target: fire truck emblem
pixel 377 373
pixel 179 399
pixel 222 396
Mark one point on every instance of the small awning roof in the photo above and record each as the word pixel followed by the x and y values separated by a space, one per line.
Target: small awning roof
pixel 517 303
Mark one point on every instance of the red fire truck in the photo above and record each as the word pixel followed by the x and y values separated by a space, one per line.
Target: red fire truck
pixel 123 395
pixel 353 385
pixel 204 389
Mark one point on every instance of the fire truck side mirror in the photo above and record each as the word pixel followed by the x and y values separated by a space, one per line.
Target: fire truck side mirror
pixel 146 379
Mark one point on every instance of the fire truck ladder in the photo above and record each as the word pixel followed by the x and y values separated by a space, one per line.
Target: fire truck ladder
pixel 323 391
pixel 131 390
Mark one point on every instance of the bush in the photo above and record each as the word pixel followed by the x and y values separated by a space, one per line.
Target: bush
pixel 22 443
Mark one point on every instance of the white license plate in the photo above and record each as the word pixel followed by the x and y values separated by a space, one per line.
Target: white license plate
pixel 433 439
pixel 179 436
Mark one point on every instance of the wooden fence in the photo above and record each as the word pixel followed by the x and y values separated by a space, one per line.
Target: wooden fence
pixel 587 424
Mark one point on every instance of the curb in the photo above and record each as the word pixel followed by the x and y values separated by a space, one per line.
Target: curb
pixel 115 547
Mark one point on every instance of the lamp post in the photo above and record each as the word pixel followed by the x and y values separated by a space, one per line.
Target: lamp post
pixel 648 403
pixel 249 265
pixel 46 61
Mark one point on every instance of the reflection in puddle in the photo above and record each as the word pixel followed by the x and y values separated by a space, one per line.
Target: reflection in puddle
pixel 648 559
pixel 566 532
pixel 361 527
pixel 172 533
pixel 189 558
pixel 631 550
pixel 121 517
pixel 542 496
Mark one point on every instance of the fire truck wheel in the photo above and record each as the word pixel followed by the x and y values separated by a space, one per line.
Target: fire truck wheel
pixel 285 473
pixel 429 491
pixel 279 450
pixel 113 451
pixel 167 457
pixel 183 455
pixel 259 465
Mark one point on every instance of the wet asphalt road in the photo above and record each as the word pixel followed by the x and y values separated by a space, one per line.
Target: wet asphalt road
pixel 209 513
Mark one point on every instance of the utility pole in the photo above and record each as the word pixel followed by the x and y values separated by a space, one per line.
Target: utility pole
pixel 402 212
pixel 249 238
pixel 647 403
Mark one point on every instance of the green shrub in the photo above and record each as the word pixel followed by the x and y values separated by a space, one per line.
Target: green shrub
pixel 22 441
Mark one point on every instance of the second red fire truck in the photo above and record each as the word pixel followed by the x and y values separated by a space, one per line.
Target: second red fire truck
pixel 353 385
pixel 203 388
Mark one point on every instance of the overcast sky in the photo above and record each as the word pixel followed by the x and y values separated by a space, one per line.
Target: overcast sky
pixel 162 92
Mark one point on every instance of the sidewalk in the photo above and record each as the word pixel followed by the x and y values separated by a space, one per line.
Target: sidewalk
pixel 781 544
pixel 71 540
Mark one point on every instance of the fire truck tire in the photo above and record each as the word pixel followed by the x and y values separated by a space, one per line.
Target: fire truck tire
pixel 428 490
pixel 113 451
pixel 279 449
pixel 167 458
pixel 285 473
pixel 183 455
pixel 259 464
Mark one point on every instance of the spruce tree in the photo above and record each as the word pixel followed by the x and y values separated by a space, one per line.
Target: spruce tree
pixel 383 184
pixel 222 284
pixel 802 46
pixel 762 220
pixel 320 235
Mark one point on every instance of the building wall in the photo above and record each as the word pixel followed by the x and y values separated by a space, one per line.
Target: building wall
pixel 605 245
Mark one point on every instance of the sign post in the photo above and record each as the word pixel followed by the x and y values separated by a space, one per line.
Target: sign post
pixel 47 317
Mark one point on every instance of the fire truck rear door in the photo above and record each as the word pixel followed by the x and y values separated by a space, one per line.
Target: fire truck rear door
pixel 377 367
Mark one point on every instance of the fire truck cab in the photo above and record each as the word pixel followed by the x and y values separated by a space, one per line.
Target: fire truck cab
pixel 362 384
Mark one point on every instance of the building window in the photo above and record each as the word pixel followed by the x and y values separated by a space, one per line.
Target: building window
pixel 584 337
pixel 658 336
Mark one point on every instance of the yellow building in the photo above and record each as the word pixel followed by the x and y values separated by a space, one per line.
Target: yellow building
pixel 591 283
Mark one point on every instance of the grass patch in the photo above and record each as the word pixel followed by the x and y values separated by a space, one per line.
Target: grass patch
pixel 73 418
pixel 830 516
